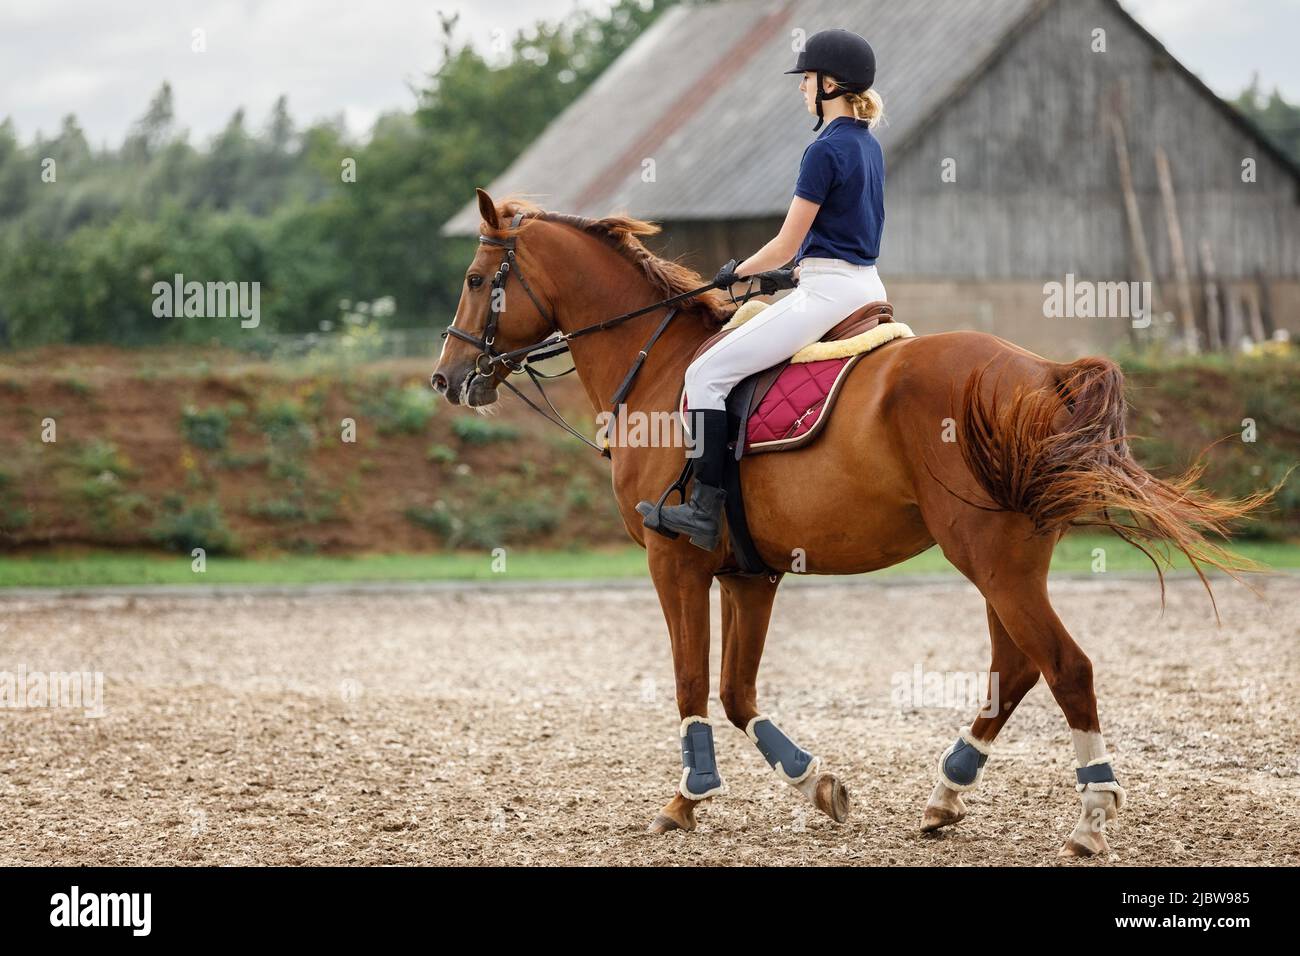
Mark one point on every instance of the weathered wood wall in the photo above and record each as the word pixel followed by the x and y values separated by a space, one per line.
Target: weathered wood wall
pixel 1038 191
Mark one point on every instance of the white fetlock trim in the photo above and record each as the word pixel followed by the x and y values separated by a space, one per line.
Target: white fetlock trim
pixel 983 747
pixel 808 783
pixel 719 790
pixel 1109 786
pixel 810 772
pixel 693 719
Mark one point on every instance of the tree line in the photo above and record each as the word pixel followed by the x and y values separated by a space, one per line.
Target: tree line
pixel 85 233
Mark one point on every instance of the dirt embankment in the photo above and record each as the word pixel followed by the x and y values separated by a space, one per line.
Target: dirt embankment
pixel 251 458
pixel 176 448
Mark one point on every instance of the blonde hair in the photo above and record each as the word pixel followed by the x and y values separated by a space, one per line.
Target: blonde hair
pixel 864 106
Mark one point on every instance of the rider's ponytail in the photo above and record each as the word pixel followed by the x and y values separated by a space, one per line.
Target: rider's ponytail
pixel 865 106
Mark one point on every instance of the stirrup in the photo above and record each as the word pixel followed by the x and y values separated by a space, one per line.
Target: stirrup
pixel 653 513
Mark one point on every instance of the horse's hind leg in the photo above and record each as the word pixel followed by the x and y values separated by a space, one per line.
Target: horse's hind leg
pixel 1011 676
pixel 1008 563
pixel 746 611
pixel 1034 626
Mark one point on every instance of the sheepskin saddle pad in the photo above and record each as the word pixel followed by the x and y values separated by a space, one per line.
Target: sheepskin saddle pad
pixel 783 407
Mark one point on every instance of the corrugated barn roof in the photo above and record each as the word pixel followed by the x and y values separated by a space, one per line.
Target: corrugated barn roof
pixel 702 95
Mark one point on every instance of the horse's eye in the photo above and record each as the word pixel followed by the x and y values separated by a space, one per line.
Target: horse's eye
pixel 475 281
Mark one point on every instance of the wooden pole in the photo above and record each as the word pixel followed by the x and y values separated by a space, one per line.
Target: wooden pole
pixel 1265 315
pixel 1213 316
pixel 1133 214
pixel 1233 328
pixel 1186 315
pixel 1255 320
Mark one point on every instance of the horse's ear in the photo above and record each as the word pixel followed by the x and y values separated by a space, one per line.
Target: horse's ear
pixel 488 209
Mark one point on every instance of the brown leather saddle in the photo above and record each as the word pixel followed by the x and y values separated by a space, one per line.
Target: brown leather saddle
pixel 863 320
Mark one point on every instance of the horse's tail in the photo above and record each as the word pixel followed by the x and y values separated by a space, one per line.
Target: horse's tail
pixel 1059 454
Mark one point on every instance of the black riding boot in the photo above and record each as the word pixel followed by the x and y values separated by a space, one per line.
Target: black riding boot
pixel 700 517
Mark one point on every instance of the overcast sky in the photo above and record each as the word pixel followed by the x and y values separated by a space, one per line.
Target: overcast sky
pixel 359 57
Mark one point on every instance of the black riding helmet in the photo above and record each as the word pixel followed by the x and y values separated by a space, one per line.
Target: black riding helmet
pixel 841 54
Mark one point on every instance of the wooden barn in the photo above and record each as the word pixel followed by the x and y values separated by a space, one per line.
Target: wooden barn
pixel 1032 146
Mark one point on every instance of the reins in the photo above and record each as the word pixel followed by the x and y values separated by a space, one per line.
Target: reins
pixel 518 360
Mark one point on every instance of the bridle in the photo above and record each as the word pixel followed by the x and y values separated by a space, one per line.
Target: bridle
pixel 557 341
pixel 487 344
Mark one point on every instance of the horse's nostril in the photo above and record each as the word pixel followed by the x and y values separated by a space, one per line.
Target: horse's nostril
pixel 439 382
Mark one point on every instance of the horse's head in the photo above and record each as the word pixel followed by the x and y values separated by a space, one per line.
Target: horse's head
pixel 497 312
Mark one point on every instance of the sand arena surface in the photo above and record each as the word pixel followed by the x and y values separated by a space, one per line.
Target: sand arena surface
pixel 538 726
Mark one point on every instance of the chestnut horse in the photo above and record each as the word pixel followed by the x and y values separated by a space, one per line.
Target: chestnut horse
pixel 959 439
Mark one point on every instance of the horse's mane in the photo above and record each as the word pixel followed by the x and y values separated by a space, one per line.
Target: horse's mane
pixel 621 233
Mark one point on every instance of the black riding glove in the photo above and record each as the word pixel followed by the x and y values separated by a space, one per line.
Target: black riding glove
pixel 726 276
pixel 770 283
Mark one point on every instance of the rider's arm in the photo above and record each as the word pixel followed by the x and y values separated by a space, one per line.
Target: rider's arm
pixel 783 247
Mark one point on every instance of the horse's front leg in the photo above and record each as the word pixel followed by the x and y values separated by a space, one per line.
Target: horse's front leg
pixel 683 581
pixel 746 612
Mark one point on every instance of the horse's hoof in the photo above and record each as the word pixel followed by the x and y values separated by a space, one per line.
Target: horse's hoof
pixel 935 818
pixel 679 814
pixel 663 824
pixel 832 798
pixel 1073 849
pixel 944 808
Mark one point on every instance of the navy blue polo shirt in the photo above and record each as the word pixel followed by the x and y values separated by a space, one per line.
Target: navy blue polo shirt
pixel 843 170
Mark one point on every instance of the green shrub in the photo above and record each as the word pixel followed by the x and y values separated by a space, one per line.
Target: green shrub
pixel 437 518
pixel 110 505
pixel 201 526
pixel 13 517
pixel 505 512
pixel 205 429
pixel 405 410
pixel 476 430
pixel 279 509
pixel 298 505
pixel 75 385
pixel 96 457
pixel 233 461
pixel 442 454
pixel 285 426
pixel 286 467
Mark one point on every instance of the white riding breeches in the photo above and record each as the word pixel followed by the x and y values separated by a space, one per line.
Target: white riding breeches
pixel 830 290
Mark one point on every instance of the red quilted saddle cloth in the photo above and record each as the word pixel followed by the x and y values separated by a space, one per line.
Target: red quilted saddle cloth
pixel 794 405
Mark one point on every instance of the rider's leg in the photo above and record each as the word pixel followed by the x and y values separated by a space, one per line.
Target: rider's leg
pixel 826 294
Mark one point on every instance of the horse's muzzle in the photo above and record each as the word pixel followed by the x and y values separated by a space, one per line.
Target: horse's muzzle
pixel 469 387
